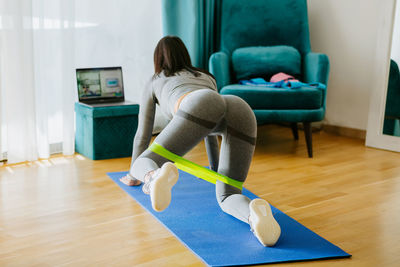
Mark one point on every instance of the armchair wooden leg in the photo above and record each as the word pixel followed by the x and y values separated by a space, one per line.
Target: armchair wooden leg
pixel 308 135
pixel 295 131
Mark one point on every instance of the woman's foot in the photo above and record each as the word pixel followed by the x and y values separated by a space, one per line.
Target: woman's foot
pixel 160 184
pixel 130 181
pixel 262 222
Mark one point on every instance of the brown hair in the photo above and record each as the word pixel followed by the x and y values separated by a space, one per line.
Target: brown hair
pixel 171 56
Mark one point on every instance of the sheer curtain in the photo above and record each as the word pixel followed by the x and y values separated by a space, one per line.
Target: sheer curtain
pixel 36 71
pixel 42 42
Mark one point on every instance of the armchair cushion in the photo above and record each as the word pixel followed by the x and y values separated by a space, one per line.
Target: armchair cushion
pixel 274 99
pixel 264 61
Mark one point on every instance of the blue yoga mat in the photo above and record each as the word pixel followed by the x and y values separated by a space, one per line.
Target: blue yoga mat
pixel 195 218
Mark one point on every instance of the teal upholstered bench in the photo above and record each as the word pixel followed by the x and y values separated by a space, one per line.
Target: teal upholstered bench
pixel 105 132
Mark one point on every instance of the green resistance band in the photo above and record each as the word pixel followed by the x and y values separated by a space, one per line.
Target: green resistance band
pixel 193 168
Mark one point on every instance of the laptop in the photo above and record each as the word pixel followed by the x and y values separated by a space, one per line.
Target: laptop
pixel 101 87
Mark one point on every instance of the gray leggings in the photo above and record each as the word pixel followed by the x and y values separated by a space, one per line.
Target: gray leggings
pixel 205 113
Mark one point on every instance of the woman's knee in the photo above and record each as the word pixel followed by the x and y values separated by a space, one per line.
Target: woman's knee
pixel 141 167
pixel 223 191
pixel 146 162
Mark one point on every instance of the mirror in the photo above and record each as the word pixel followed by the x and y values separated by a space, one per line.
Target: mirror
pixel 383 129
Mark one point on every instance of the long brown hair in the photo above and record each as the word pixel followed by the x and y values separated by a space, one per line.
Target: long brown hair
pixel 171 56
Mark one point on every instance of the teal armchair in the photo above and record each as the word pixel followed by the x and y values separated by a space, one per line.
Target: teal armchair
pixel 260 38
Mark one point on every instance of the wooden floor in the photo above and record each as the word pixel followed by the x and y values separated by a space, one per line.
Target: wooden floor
pixel 65 211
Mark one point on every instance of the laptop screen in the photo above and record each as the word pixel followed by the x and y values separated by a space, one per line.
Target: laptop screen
pixel 100 83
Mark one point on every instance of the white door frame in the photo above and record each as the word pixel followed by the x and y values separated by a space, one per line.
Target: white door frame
pixel 375 137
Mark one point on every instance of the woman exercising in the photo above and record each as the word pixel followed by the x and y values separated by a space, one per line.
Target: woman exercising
pixel 189 98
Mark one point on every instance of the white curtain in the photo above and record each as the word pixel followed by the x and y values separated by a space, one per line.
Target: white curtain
pixel 36 78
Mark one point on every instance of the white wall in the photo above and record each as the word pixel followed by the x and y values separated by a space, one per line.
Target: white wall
pixel 346 30
pixel 119 33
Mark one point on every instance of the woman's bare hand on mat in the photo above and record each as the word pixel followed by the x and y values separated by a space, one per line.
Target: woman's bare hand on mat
pixel 130 182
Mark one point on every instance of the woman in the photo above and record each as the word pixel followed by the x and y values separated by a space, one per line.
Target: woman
pixel 188 96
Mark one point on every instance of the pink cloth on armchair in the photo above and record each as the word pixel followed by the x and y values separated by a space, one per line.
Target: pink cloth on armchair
pixel 282 77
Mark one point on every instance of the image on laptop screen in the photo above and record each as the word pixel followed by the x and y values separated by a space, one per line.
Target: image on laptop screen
pixel 99 83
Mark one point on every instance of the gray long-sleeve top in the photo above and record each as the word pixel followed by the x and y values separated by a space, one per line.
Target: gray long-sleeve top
pixel 164 91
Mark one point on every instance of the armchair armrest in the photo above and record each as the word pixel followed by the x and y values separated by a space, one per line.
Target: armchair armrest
pixel 316 68
pixel 219 67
